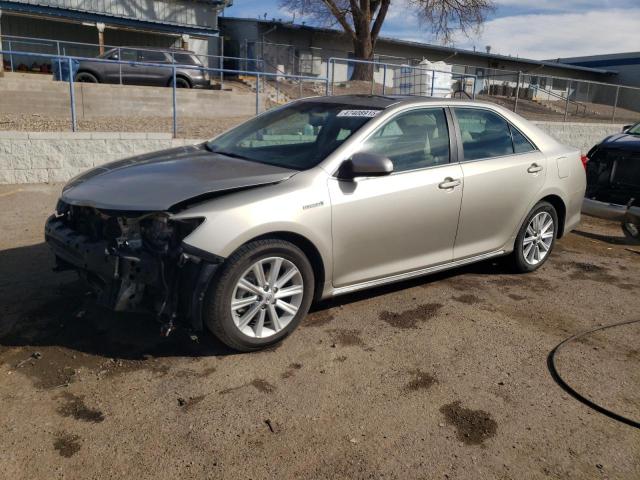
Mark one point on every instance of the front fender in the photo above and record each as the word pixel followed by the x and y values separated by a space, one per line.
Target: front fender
pixel 300 206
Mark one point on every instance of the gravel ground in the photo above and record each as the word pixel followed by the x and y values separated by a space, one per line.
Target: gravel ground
pixel 187 127
pixel 440 377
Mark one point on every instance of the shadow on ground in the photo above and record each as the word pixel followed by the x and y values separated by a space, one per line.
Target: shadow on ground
pixel 41 308
pixel 45 309
pixel 610 239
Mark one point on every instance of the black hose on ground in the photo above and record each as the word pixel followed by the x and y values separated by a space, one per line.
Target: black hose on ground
pixel 571 391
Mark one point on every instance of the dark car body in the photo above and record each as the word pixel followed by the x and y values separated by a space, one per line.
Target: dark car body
pixel 190 72
pixel 613 179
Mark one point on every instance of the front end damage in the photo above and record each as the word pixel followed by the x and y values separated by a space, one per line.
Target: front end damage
pixel 613 187
pixel 134 261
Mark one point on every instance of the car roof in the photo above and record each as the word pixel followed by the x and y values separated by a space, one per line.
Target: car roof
pixel 386 101
pixel 155 49
pixel 372 101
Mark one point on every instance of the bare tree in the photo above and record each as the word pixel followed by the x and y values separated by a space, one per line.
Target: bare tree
pixel 362 20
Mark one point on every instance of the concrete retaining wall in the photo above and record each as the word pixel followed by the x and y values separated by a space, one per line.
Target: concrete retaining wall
pixel 27 94
pixel 579 135
pixel 41 157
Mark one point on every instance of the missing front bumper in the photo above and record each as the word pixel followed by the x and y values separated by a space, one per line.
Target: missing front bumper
pixel 172 287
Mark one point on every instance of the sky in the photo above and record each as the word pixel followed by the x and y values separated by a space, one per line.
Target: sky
pixel 538 29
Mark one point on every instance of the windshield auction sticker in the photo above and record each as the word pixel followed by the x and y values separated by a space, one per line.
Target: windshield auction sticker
pixel 358 113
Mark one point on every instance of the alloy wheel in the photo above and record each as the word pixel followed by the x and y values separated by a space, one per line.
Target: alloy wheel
pixel 267 297
pixel 538 238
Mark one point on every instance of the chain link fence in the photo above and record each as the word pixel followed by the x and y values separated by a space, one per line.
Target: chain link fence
pixel 273 74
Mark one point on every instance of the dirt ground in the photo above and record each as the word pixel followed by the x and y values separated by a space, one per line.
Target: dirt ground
pixel 444 377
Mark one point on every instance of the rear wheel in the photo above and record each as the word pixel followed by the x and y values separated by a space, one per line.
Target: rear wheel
pixel 86 77
pixel 260 295
pixel 536 238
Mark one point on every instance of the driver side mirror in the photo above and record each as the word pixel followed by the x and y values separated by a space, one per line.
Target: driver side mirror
pixel 625 128
pixel 365 164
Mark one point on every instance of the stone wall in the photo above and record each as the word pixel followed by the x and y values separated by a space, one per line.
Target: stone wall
pixel 42 157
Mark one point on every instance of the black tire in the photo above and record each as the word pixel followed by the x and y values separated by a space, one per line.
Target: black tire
pixel 217 311
pixel 181 82
pixel 86 77
pixel 520 264
pixel 631 231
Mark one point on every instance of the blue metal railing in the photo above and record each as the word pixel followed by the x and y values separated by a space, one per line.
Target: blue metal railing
pixel 69 62
pixel 60 47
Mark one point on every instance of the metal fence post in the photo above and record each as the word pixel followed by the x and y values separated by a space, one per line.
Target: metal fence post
pixel 373 79
pixel 566 104
pixel 59 59
pixel 10 54
pixel 384 79
pixel 615 104
pixel 326 82
pixel 72 97
pixel 221 63
pixel 515 104
pixel 174 100
pixel 257 93
pixel 333 74
pixel 433 79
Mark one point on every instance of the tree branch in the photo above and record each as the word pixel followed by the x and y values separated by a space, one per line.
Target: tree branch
pixel 340 17
pixel 377 25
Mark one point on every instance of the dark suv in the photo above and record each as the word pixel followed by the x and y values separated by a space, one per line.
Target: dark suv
pixel 135 74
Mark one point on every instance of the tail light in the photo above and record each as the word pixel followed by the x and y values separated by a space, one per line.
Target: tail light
pixel 584 159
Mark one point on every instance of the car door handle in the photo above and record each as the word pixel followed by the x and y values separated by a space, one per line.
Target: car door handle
pixel 449 183
pixel 534 168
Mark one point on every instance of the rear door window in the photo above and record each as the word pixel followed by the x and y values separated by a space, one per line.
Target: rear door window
pixel 484 134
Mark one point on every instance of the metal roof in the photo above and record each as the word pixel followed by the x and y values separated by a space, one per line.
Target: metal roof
pixel 82 15
pixel 452 51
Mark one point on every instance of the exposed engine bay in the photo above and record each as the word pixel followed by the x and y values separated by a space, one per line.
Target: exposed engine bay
pixel 613 176
pixel 134 261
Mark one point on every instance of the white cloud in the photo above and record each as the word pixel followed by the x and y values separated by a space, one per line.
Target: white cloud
pixel 545 36
pixel 573 5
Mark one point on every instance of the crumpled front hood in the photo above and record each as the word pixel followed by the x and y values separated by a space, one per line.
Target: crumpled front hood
pixel 157 181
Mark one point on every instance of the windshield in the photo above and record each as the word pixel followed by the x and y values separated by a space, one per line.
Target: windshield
pixel 298 136
pixel 635 130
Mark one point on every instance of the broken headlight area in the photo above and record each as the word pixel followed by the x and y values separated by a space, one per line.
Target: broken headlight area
pixel 134 261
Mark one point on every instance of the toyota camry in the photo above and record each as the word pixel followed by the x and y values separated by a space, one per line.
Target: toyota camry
pixel 320 197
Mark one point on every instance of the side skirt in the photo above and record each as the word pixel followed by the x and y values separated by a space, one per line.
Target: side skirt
pixel 415 273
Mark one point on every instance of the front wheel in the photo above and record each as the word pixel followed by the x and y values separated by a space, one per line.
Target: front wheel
pixel 86 77
pixel 181 82
pixel 536 238
pixel 260 295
